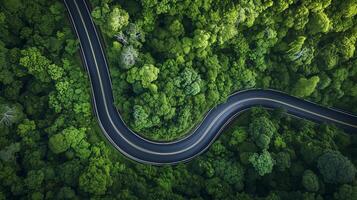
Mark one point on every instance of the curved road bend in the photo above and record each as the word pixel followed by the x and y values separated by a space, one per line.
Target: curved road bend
pixel 145 151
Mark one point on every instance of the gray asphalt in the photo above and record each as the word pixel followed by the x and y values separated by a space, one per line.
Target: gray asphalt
pixel 199 140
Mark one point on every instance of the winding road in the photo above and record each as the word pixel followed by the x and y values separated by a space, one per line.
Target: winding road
pixel 158 153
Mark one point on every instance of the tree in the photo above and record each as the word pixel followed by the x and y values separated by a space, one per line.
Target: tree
pixel 301 17
pixel 348 8
pixel 128 57
pixel 319 22
pixel 262 130
pixel 335 168
pixel 310 181
pixel 282 5
pixel 346 192
pixel 262 125
pixel 295 49
pixel 13 6
pixel 263 163
pixel 35 63
pixel 66 193
pixel 110 20
pixel 305 87
pixel 217 189
pixel 176 28
pixel 316 6
pixel 282 161
pixel 69 172
pixel 239 135
pixel 141 117
pixel 6 76
pixel 70 138
pixel 8 115
pixel 232 173
pixel 263 141
pixel 97 176
pixel 71 92
pixel 58 143
pixel 34 179
pixel 279 143
pixel 117 19
pixel 99 13
pixel 146 75
pixel 201 39
pixel 72 46
pixel 189 80
pixel 55 72
pixel 346 46
pixel 8 153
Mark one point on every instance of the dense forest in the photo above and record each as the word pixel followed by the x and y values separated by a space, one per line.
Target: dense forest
pixel 170 62
pixel 174 60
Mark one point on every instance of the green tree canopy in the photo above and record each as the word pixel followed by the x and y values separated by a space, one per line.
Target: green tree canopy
pixel 305 87
pixel 335 168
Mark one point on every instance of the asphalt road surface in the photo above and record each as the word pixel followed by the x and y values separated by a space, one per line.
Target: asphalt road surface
pixel 199 140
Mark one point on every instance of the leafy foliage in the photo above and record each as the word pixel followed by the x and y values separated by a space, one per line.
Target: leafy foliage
pixel 336 168
pixel 262 163
pixel 310 181
pixel 170 62
pixel 205 50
